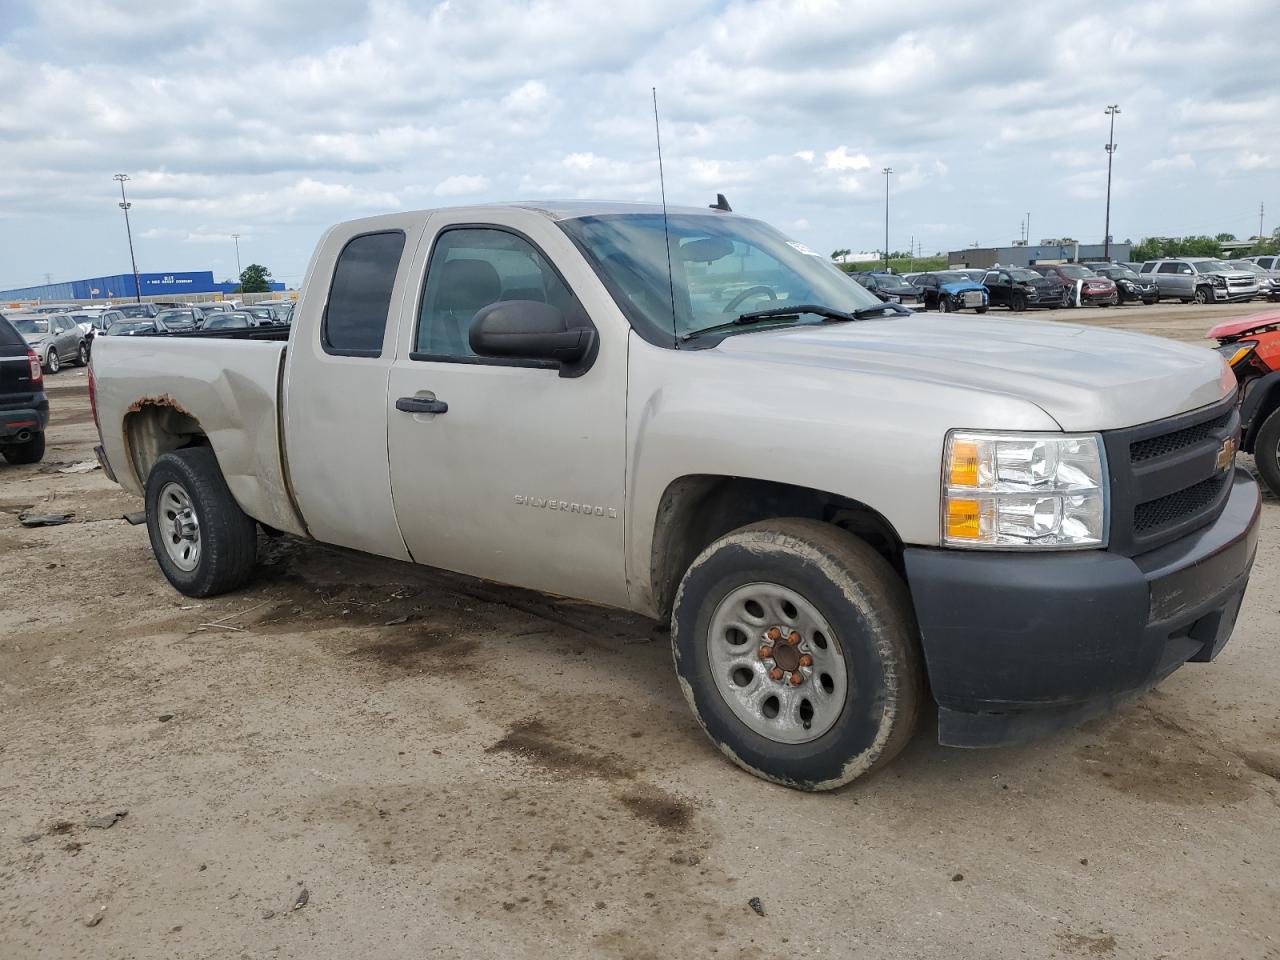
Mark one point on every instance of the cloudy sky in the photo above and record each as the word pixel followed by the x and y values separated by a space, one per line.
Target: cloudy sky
pixel 275 118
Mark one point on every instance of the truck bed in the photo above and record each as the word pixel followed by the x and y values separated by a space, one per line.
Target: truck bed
pixel 154 390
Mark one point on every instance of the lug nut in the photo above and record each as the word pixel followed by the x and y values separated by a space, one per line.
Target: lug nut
pixel 775 673
pixel 774 633
pixel 793 639
pixel 766 651
pixel 797 678
pixel 806 660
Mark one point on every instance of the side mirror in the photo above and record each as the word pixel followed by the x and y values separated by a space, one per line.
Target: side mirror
pixel 531 330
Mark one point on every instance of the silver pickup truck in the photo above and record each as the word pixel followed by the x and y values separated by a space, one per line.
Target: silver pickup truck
pixel 843 507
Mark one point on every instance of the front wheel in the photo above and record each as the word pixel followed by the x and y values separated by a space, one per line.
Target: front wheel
pixel 82 355
pixel 980 309
pixel 944 304
pixel 205 544
pixel 796 648
pixel 1204 295
pixel 1266 451
pixel 52 364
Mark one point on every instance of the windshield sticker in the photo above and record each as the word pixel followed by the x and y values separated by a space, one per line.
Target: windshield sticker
pixel 801 248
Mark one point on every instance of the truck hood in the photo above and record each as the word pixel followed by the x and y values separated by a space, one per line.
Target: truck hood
pixel 1084 378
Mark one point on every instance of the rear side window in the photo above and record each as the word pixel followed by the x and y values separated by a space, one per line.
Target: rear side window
pixel 1169 267
pixel 360 297
pixel 10 337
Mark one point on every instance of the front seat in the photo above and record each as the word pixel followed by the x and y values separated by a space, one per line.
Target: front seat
pixel 465 287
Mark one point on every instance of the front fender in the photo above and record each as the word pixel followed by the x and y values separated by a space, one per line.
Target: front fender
pixel 1261 396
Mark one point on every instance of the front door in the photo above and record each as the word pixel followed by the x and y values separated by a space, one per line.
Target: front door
pixel 504 469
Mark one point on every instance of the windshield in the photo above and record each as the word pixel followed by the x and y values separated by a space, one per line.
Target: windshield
pixel 31 326
pixel 953 276
pixel 226 322
pixel 175 316
pixel 890 281
pixel 122 327
pixel 1245 265
pixel 1025 276
pixel 721 267
pixel 1119 273
pixel 1075 271
pixel 1210 266
pixel 136 310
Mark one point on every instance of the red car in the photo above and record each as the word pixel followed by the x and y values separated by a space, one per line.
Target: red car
pixel 1252 347
pixel 1084 287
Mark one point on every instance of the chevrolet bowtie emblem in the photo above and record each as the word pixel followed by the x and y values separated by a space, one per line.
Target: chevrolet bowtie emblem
pixel 1226 454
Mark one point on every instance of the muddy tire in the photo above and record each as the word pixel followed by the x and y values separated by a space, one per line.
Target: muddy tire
pixel 782 598
pixel 1266 451
pixel 205 544
pixel 32 451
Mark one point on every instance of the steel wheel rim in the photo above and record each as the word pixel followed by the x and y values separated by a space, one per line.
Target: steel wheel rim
pixel 753 669
pixel 179 526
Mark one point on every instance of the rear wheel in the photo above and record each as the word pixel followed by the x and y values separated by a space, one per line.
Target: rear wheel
pixel 205 544
pixel 32 451
pixel 52 363
pixel 796 648
pixel 1266 451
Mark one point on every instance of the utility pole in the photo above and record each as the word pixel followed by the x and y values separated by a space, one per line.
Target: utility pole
pixel 1261 207
pixel 236 238
pixel 125 205
pixel 1028 228
pixel 886 171
pixel 1112 110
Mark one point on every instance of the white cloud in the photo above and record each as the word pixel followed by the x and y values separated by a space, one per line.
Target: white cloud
pixel 460 184
pixel 841 159
pixel 1181 161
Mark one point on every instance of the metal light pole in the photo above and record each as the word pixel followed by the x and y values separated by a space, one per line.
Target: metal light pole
pixel 886 171
pixel 1112 110
pixel 125 205
pixel 236 238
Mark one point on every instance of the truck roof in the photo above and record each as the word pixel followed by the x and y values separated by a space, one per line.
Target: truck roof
pixel 552 209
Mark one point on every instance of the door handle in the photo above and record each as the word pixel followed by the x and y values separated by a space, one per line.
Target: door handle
pixel 421 405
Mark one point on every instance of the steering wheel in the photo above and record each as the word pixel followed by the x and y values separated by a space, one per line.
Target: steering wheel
pixel 732 305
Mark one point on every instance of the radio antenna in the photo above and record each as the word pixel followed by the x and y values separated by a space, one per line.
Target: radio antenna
pixel 666 227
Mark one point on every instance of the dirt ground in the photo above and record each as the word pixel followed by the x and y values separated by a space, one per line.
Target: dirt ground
pixel 503 774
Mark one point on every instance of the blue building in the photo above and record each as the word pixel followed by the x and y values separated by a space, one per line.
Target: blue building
pixel 120 287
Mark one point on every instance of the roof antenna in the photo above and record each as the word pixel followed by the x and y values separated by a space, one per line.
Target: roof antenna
pixel 721 204
pixel 666 229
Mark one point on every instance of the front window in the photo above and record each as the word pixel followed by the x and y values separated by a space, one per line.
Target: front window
pixel 1024 276
pixel 890 281
pixel 720 268
pixel 32 326
pixel 1076 272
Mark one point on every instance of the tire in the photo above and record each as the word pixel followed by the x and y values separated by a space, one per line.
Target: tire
pixel 189 483
pixel 1018 304
pixel 30 452
pixel 1266 451
pixel 1204 295
pixel 82 355
pixel 868 661
pixel 981 309
pixel 52 362
pixel 944 304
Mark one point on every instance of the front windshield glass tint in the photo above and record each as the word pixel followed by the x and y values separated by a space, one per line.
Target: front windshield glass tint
pixel 175 316
pixel 32 326
pixel 118 329
pixel 952 276
pixel 137 310
pixel 890 281
pixel 1210 266
pixel 1024 276
pixel 1076 272
pixel 721 267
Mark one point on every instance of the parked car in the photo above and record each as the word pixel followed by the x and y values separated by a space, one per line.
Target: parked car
pixel 263 313
pixel 841 505
pixel 1019 288
pixel 890 288
pixel 183 320
pixel 1130 286
pixel 139 328
pixel 1201 279
pixel 1268 280
pixel 950 290
pixel 24 407
pixel 135 310
pixel 233 320
pixel 1083 287
pixel 1252 347
pixel 55 338
pixel 217 306
pixel 976 274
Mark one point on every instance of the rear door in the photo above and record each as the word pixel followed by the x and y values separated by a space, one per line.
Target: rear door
pixel 1175 279
pixel 999 288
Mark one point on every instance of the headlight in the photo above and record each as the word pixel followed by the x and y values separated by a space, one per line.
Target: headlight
pixel 1236 351
pixel 1218 281
pixel 1011 491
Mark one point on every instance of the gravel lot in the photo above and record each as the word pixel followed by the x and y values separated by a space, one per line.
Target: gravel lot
pixel 509 775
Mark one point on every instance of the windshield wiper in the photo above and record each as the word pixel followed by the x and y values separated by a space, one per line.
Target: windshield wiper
pixel 829 314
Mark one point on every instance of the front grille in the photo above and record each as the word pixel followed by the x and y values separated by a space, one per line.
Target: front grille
pixel 1167 443
pixel 1164 511
pixel 1166 476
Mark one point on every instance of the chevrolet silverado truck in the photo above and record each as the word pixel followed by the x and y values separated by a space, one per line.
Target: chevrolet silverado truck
pixel 844 508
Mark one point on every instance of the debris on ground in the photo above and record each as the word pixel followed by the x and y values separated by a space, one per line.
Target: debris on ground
pixel 956 878
pixel 109 820
pixel 84 466
pixel 165 717
pixel 59 827
pixel 755 904
pixel 95 918
pixel 135 518
pixel 268 914
pixel 73 847
pixel 396 622
pixel 44 519
pixel 31 837
pixel 303 897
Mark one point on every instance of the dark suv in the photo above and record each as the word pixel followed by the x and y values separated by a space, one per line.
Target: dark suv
pixel 890 288
pixel 1019 288
pixel 24 408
